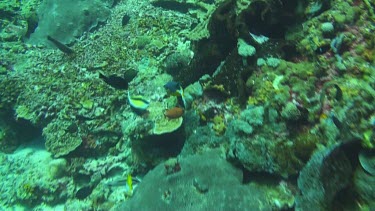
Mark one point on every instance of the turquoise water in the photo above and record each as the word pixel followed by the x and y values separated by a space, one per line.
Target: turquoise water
pixel 187 105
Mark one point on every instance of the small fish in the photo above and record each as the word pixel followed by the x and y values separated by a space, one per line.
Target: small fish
pixel 84 192
pixel 138 102
pixel 175 89
pixel 124 182
pixel 125 20
pixel 114 81
pixel 325 91
pixel 130 184
pixel 337 122
pixel 338 95
pixel 62 47
pixel 117 183
pixel 174 113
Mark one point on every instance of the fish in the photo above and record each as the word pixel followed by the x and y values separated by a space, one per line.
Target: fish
pixel 124 182
pixel 129 182
pixel 175 89
pixel 62 47
pixel 114 81
pixel 338 95
pixel 337 122
pixel 117 183
pixel 84 192
pixel 138 102
pixel 174 113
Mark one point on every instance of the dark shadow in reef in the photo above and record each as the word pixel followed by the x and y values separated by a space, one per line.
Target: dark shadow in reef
pixel 16 132
pixel 270 18
pixel 151 150
pixel 210 52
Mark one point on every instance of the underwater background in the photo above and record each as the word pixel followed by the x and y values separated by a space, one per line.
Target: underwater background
pixel 187 105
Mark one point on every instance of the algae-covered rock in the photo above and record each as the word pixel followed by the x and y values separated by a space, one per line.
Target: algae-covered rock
pixel 245 49
pixel 367 161
pixel 25 113
pixel 290 112
pixel 364 185
pixel 253 155
pixel 201 182
pixel 201 10
pixel 253 115
pixel 61 137
pixel 193 91
pixel 28 180
pixel 65 20
pixel 8 8
pixel 327 172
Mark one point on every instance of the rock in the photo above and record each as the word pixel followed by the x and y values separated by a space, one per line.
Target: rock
pixel 367 161
pixel 326 173
pixel 290 112
pixel 364 185
pixel 65 20
pixel 204 182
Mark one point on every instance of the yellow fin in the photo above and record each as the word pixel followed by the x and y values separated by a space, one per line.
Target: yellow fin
pixel 130 184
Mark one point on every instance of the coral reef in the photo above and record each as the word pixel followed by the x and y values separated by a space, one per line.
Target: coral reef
pixel 64 138
pixel 42 180
pixel 282 89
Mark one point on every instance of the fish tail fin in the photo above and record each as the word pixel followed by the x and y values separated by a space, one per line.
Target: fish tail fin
pixel 102 76
pixel 129 98
pixel 184 101
pixel 182 96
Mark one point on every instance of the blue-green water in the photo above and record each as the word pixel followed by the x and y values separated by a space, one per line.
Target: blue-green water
pixel 187 105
